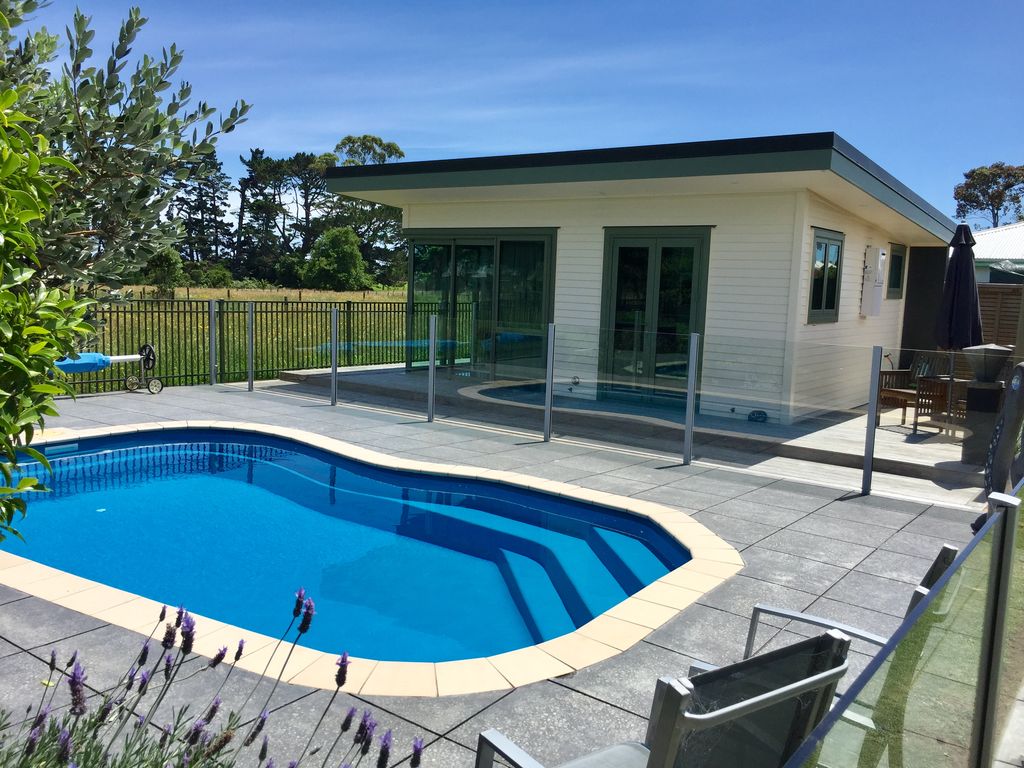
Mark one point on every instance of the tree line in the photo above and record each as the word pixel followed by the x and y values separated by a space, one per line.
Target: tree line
pixel 287 230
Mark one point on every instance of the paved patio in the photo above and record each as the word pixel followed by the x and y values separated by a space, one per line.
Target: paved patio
pixel 806 546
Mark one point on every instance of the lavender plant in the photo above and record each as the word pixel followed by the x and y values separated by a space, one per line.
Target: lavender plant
pixel 71 726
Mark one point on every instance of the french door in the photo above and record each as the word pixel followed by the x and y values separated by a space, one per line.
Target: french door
pixel 652 304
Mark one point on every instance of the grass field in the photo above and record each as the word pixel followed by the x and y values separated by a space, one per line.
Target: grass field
pixel 397 293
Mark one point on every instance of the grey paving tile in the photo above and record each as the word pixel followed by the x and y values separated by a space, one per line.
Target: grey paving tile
pixel 745 509
pixel 553 723
pixel 895 565
pixel 739 478
pixel 860 513
pixel 790 570
pixel 32 622
pixel 659 472
pixel 106 652
pixel 740 593
pixel 953 531
pixel 792 500
pixel 677 497
pixel 877 622
pixel 9 594
pixel 814 547
pixel 843 530
pixel 916 544
pixel 735 529
pixel 874 592
pixel 557 471
pixel 707 634
pixel 23 680
pixel 290 727
pixel 610 484
pixel 884 504
pixel 628 680
pixel 427 712
pixel 444 753
pixel 715 485
pixel 949 514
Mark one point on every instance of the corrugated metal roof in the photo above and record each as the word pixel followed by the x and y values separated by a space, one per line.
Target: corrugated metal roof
pixel 1004 243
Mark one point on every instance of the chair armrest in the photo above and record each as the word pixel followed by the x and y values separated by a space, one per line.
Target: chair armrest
pixel 699 667
pixel 492 742
pixel 804 618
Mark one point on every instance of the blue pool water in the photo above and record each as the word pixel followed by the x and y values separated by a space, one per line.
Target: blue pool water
pixel 402 566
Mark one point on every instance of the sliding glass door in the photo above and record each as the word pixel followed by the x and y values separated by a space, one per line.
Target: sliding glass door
pixel 492 295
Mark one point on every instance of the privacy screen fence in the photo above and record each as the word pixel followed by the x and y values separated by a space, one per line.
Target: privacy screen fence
pixel 287 336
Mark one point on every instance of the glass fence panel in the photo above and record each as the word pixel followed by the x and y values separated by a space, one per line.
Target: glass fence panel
pixel 496 374
pixel 917 705
pixel 1010 693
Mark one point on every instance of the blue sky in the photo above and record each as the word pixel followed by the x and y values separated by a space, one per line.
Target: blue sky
pixel 926 89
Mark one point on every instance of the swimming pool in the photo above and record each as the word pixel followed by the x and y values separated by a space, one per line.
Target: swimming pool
pixel 403 565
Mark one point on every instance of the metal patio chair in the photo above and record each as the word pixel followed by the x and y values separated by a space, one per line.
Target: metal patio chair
pixel 754 713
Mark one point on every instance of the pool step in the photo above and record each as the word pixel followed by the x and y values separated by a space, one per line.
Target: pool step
pixel 628 559
pixel 536 597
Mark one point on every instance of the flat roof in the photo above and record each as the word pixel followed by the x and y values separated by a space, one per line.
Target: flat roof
pixel 826 151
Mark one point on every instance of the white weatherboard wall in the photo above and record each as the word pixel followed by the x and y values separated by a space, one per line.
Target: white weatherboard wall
pixel 831 362
pixel 749 282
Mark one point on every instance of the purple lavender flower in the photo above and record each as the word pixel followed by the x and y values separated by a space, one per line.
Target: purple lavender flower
pixel 131 678
pixel 168 663
pixel 53 660
pixel 170 634
pixel 300 596
pixel 256 728
pixel 143 681
pixel 140 721
pixel 218 657
pixel 368 736
pixel 179 615
pixel 264 747
pixel 385 749
pixel 195 732
pixel 417 752
pixel 33 741
pixel 144 653
pixel 72 660
pixel 163 614
pixel 214 709
pixel 342 674
pixel 41 716
pixel 361 730
pixel 270 763
pixel 165 735
pixel 307 616
pixel 77 685
pixel 347 722
pixel 188 633
pixel 293 764
pixel 64 745
pixel 238 653
pixel 108 706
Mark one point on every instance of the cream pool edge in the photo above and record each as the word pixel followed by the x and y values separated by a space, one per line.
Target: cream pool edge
pixel 713 561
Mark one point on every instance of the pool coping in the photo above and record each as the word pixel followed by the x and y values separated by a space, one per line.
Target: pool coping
pixel 713 561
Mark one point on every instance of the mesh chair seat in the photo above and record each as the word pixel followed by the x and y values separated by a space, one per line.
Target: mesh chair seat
pixel 632 754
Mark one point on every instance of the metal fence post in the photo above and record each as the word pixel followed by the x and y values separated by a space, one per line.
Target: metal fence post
pixel 212 320
pixel 432 365
pixel 869 434
pixel 349 347
pixel 250 343
pixel 549 382
pixel 993 639
pixel 334 355
pixel 691 396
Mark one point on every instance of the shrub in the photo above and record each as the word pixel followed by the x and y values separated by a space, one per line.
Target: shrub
pixel 119 732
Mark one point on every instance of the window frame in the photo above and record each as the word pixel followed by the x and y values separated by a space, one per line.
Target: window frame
pixel 822 315
pixel 897 292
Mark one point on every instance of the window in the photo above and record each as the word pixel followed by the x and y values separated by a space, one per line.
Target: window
pixel 826 277
pixel 897 268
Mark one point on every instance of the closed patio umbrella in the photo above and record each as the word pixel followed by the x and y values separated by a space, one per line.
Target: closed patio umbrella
pixel 959 322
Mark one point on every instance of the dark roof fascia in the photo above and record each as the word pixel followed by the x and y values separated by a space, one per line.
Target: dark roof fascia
pixel 769 154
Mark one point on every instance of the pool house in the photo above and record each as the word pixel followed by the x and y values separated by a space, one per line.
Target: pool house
pixel 791 256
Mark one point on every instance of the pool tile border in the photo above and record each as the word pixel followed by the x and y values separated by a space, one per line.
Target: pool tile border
pixel 713 562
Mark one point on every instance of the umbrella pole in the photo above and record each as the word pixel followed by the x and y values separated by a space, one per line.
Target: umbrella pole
pixel 949 392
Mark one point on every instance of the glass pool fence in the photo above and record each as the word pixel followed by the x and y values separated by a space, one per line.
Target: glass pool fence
pixel 747 397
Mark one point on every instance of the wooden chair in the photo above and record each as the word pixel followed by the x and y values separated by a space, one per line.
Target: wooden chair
pixel 754 713
pixel 898 388
pixel 933 402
